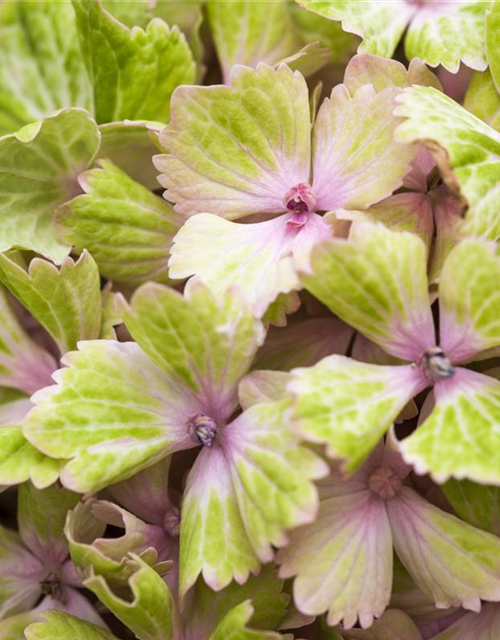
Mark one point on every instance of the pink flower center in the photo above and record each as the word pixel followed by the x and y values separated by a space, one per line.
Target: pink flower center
pixel 384 483
pixel 202 429
pixel 436 365
pixel 300 200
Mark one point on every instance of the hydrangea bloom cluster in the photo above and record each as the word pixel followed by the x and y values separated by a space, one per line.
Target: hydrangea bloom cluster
pixel 249 320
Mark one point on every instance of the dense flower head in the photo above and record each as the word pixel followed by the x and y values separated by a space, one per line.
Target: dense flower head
pixel 250 320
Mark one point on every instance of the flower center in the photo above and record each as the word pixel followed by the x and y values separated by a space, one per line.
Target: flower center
pixel 300 200
pixel 202 429
pixel 384 483
pixel 51 586
pixel 436 365
pixel 172 522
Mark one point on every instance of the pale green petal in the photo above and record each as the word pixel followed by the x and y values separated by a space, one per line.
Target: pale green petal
pixel 349 405
pixel 127 229
pixel 393 625
pixel 448 559
pixel 461 437
pixel 480 626
pixel 492 47
pixel 133 71
pixel 151 612
pixel 237 151
pixel 343 561
pixel 65 301
pixel 250 31
pixel 477 504
pixel 377 283
pixel 380 24
pixel 61 626
pixel 262 386
pixel 205 343
pixel 483 100
pixel 42 69
pixel 113 413
pixel 467 152
pixel 38 169
pixel 469 300
pixel 448 35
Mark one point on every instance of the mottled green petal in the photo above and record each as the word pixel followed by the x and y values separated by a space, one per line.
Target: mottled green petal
pixel 448 34
pixel 127 229
pixel 66 301
pixel 42 68
pixel 380 24
pixel 467 152
pixel 205 343
pixel 133 71
pixel 349 405
pixel 469 300
pixel 38 169
pixel 477 504
pixel 61 626
pixel 113 412
pixel 151 613
pixel 237 151
pixel 377 283
pixel 461 437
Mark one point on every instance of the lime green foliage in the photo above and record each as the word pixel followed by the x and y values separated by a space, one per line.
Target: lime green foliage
pixel 61 626
pixel 151 613
pixel 492 42
pixel 38 169
pixel 42 69
pixel 66 301
pixel 349 405
pixel 483 100
pixel 466 150
pixel 234 626
pixel 127 229
pixel 477 504
pixel 109 413
pixel 460 438
pixel 203 343
pixel 469 297
pixel 268 111
pixel 133 71
pixel 12 628
pixel 377 283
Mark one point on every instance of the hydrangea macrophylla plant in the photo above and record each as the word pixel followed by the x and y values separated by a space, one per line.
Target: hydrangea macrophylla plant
pixel 353 536
pixel 175 389
pixel 37 573
pixel 439 32
pixel 377 282
pixel 258 158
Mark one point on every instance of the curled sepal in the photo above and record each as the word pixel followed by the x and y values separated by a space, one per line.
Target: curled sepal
pixel 453 562
pixel 349 405
pixel 466 150
pixel 484 625
pixel 460 438
pixel 127 229
pixel 368 284
pixel 41 516
pixel 237 151
pixel 61 626
pixel 234 626
pixel 206 344
pixel 38 169
pixel 469 300
pixel 356 161
pixel 112 413
pixel 66 300
pixel 261 259
pixel 157 58
pixel 343 561
pixel 151 613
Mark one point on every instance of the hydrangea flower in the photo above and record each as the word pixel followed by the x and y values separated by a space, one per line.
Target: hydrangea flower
pixel 254 150
pixel 377 283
